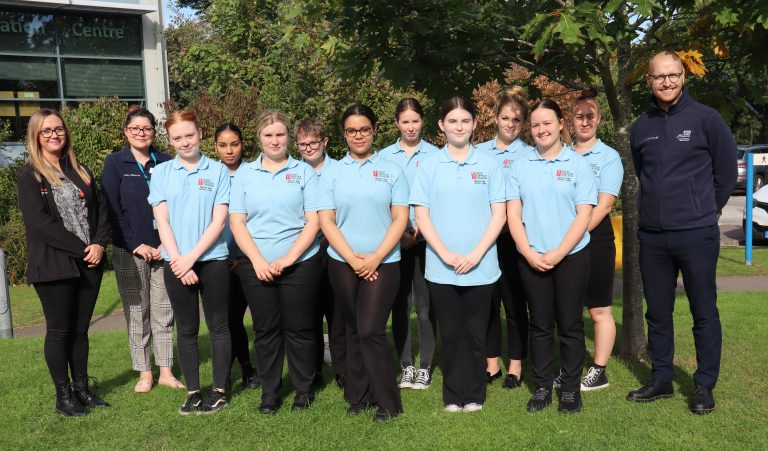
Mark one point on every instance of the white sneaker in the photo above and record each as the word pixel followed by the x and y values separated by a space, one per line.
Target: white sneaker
pixel 423 379
pixel 452 408
pixel 407 376
pixel 473 407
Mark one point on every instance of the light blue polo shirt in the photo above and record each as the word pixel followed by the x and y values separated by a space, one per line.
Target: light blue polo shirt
pixel 328 161
pixel 606 167
pixel 191 196
pixel 459 198
pixel 410 165
pixel 362 193
pixel 506 156
pixel 234 252
pixel 550 191
pixel 275 205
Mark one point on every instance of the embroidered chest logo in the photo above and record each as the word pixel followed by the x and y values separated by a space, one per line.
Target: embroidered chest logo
pixel 506 163
pixel 595 169
pixel 381 176
pixel 479 178
pixel 564 175
pixel 684 137
pixel 205 184
pixel 417 163
pixel 293 178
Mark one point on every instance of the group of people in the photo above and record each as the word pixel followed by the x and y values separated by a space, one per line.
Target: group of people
pixel 453 233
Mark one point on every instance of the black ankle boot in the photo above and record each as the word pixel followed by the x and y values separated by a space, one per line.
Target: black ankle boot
pixel 85 395
pixel 66 403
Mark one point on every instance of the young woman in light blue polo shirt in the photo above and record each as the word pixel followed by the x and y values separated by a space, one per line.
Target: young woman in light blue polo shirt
pixel 551 191
pixel 189 196
pixel 609 172
pixel 459 198
pixel 511 115
pixel 408 152
pixel 363 213
pixel 273 215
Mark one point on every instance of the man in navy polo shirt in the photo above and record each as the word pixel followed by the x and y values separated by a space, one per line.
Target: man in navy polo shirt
pixel 684 156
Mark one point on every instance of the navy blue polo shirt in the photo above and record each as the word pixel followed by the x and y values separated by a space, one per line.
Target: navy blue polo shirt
pixel 126 190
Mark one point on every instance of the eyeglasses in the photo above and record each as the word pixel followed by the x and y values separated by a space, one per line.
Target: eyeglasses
pixel 314 145
pixel 48 132
pixel 659 79
pixel 352 132
pixel 135 131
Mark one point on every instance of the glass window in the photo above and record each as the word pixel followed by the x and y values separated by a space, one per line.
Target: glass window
pixel 17 113
pixel 100 36
pixel 27 32
pixel 28 77
pixel 86 78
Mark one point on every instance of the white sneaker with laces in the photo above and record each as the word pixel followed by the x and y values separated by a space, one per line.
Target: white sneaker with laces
pixel 423 379
pixel 407 376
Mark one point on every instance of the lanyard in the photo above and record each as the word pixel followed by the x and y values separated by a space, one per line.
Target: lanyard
pixel 141 168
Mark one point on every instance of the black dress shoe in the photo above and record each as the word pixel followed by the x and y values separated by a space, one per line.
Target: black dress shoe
pixel 270 402
pixel 651 392
pixel 302 401
pixel 492 377
pixel 512 381
pixel 84 394
pixel 702 401
pixel 382 416
pixel 356 409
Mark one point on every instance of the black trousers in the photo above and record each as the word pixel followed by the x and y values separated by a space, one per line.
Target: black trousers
pixel 412 279
pixel 331 310
pixel 283 313
pixel 462 316
pixel 68 306
pixel 556 297
pixel 509 290
pixel 366 308
pixel 602 254
pixel 213 287
pixel 662 256
pixel 237 307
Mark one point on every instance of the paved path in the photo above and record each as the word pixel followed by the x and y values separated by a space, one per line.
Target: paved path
pixel 117 321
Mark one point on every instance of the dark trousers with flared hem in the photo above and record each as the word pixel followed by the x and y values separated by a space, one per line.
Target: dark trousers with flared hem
pixel 366 308
pixel 462 317
pixel 237 307
pixel 68 307
pixel 509 291
pixel 331 310
pixel 556 298
pixel 284 313
pixel 213 287
pixel 662 256
pixel 412 281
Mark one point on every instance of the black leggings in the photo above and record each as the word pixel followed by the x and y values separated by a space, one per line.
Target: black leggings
pixel 556 297
pixel 237 306
pixel 213 287
pixel 366 307
pixel 68 306
pixel 509 290
pixel 462 315
pixel 331 310
pixel 283 313
pixel 412 277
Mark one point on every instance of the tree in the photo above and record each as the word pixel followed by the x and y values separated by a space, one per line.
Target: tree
pixel 450 46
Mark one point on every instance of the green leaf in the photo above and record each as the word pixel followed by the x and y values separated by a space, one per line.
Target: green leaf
pixel 647 7
pixel 568 30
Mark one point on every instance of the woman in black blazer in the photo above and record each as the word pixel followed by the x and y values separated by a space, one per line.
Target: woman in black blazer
pixel 66 222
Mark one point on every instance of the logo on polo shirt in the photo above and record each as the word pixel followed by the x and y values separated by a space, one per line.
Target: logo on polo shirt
pixel 292 177
pixel 479 178
pixel 205 184
pixel 595 168
pixel 564 175
pixel 381 176
pixel 684 137
pixel 418 162
pixel 506 163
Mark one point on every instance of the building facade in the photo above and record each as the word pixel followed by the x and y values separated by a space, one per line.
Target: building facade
pixel 57 53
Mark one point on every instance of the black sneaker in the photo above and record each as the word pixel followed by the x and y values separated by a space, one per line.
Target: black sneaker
pixel 512 381
pixel 570 402
pixel 251 381
pixel 423 379
pixel 540 399
pixel 558 380
pixel 382 415
pixel 270 402
pixel 215 401
pixel 407 376
pixel 192 404
pixel 302 401
pixel 595 379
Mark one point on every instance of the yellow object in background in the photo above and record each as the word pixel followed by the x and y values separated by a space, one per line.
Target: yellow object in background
pixel 618 240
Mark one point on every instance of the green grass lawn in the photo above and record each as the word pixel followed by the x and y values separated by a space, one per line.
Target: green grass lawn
pixel 731 262
pixel 150 421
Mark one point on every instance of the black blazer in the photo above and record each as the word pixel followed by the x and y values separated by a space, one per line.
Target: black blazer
pixel 52 250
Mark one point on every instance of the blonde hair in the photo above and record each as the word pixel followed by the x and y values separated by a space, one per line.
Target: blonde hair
pixel 514 96
pixel 269 117
pixel 42 168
